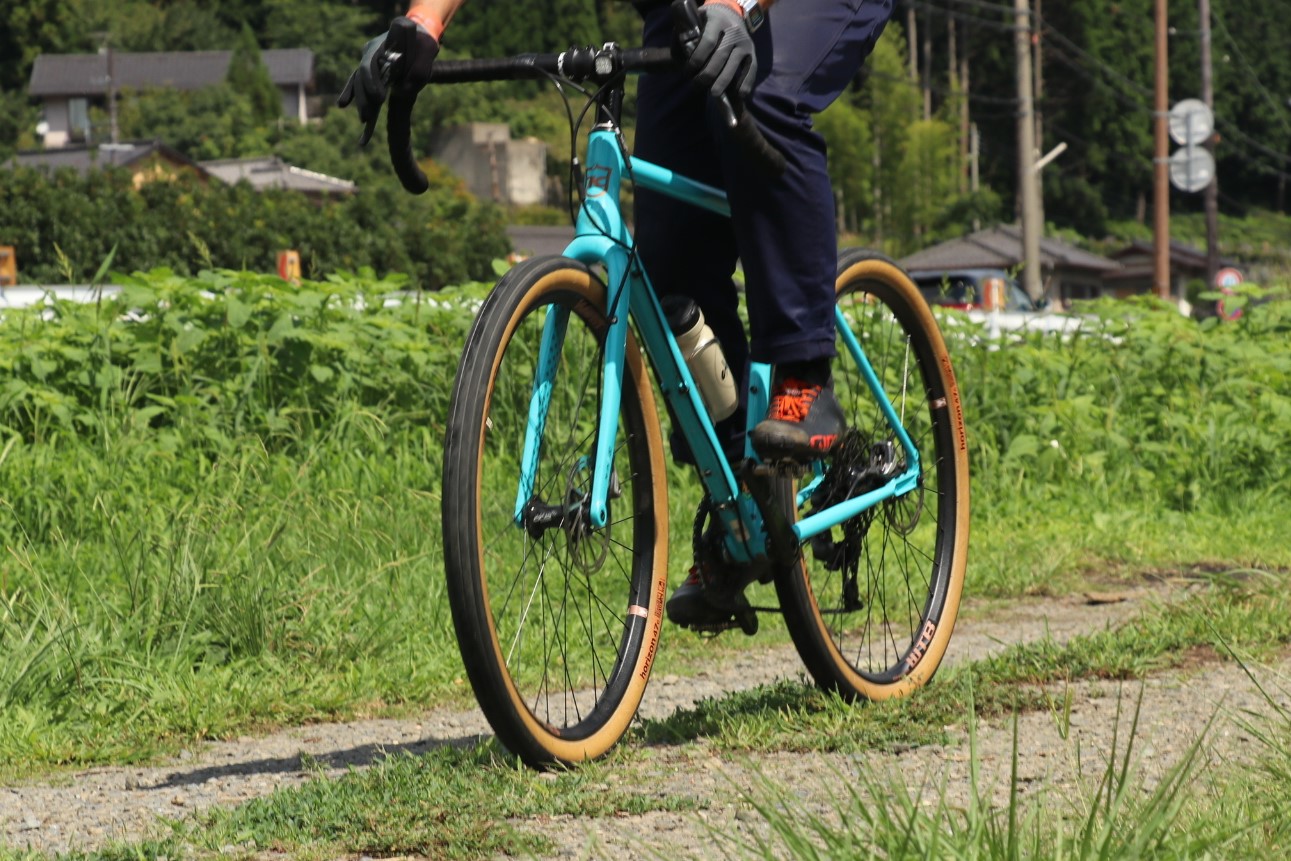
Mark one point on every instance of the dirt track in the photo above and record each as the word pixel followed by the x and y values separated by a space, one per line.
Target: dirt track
pixel 87 809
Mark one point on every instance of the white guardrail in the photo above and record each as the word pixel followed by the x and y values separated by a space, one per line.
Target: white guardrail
pixel 997 323
pixel 26 295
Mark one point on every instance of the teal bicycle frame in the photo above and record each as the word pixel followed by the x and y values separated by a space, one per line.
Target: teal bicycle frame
pixel 602 238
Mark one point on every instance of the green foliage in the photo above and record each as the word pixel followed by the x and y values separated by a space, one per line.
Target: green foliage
pixel 18 119
pixel 216 495
pixel 210 123
pixel 438 238
pixel 248 76
pixel 1143 402
pixel 335 32
pixel 220 496
pixel 502 29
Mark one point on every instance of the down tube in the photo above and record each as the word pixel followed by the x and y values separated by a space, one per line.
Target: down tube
pixel 903 483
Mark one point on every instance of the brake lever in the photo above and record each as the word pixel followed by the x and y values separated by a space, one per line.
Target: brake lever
pixel 399 110
pixel 386 61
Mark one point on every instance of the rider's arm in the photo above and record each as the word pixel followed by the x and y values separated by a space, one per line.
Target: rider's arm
pixel 739 7
pixel 434 15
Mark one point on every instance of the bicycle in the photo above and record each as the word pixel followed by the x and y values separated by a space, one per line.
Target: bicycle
pixel 555 515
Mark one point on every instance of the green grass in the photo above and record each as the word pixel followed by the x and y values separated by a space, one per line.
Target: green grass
pixel 224 516
pixel 448 803
pixel 1249 611
pixel 1116 817
pixel 415 805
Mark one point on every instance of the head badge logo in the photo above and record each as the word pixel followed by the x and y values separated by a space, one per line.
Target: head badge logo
pixel 598 181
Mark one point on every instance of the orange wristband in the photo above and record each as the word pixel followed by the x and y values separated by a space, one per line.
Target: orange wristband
pixel 732 4
pixel 423 16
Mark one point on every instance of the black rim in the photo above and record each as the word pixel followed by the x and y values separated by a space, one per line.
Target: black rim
pixel 880 582
pixel 561 593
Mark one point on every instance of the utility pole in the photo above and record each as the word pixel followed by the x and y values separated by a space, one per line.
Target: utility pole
pixel 952 69
pixel 1211 194
pixel 974 177
pixel 966 129
pixel 1028 184
pixel 1037 39
pixel 1161 163
pixel 927 63
pixel 912 38
pixel 105 48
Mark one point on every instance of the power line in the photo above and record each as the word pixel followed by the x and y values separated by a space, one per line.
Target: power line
pixel 941 90
pixel 1278 110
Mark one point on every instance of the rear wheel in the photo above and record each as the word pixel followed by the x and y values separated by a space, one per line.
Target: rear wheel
pixel 871 603
pixel 558 620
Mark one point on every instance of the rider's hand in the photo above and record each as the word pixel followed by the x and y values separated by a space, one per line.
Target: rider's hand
pixel 382 68
pixel 724 56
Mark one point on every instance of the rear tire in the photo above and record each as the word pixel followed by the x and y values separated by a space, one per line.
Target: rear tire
pixel 558 622
pixel 883 632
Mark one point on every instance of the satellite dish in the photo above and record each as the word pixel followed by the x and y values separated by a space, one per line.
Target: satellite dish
pixel 42 128
pixel 1191 122
pixel 1192 168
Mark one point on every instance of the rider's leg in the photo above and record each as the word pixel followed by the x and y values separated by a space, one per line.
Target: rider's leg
pixel 688 251
pixel 785 225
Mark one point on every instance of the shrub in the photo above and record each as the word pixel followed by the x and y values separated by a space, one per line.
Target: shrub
pixel 442 237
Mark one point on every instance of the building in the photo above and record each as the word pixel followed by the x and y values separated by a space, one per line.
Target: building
pixel 1066 271
pixel 271 172
pixel 532 240
pixel 151 160
pixel 1138 272
pixel 69 84
pixel 146 160
pixel 493 166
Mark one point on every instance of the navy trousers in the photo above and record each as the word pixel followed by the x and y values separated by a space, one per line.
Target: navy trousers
pixel 782 229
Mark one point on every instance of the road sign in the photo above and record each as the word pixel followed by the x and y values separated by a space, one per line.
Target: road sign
pixel 1191 122
pixel 1228 277
pixel 1192 168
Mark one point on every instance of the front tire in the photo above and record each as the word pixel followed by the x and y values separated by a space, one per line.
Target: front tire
pixel 558 621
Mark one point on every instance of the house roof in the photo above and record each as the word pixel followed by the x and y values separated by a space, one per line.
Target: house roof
pixel 538 240
pixel 87 74
pixel 273 172
pixel 1139 259
pixel 1001 248
pixel 86 157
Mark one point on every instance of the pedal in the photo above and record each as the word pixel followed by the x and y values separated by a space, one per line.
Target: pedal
pixel 746 617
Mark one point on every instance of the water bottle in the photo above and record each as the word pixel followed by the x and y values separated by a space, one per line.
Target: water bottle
pixel 703 355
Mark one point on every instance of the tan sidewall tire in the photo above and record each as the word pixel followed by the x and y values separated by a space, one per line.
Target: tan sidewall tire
pixel 879 269
pixel 582 282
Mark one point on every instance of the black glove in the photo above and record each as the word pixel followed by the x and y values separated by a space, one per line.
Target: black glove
pixel 382 67
pixel 724 56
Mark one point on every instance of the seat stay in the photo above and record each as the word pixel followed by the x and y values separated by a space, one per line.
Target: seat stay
pixel 907 481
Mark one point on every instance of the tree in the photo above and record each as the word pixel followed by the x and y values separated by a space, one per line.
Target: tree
pixel 335 34
pixel 249 77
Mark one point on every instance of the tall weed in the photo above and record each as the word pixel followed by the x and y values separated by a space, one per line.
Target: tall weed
pixel 219 496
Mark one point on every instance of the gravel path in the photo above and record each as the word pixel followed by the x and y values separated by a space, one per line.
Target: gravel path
pixel 84 810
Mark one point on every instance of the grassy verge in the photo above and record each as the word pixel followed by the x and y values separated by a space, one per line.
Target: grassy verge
pixel 219 500
pixel 1248 611
pixel 407 805
pixel 449 803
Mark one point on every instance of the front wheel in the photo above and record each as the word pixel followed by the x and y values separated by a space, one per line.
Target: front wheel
pixel 557 619
pixel 871 603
